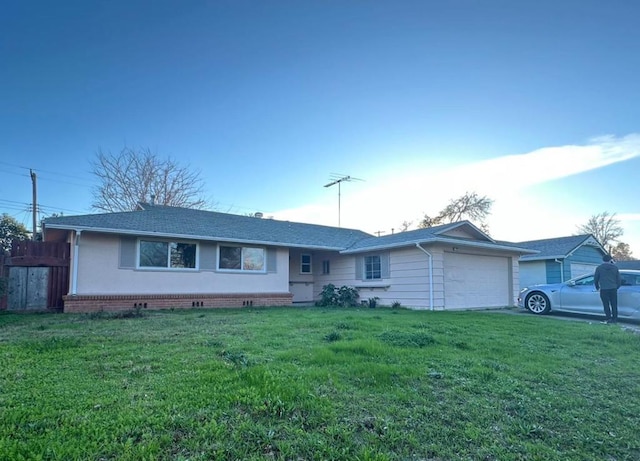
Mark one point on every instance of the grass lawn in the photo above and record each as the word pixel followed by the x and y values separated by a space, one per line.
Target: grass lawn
pixel 317 384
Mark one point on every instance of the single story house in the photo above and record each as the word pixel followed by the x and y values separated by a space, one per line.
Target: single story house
pixel 633 264
pixel 160 256
pixel 559 259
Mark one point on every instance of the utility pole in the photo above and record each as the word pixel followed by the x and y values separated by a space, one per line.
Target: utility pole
pixel 338 179
pixel 35 203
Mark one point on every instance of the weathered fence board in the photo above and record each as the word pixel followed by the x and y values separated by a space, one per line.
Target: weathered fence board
pixel 28 287
pixel 37 274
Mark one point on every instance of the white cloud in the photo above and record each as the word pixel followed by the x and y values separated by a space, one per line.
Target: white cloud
pixel 383 203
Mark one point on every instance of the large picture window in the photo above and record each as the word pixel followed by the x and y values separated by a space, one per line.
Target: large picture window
pixel 372 267
pixel 242 258
pixel 169 255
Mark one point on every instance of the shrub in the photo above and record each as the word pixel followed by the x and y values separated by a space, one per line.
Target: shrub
pixel 348 296
pixel 373 302
pixel 344 296
pixel 328 296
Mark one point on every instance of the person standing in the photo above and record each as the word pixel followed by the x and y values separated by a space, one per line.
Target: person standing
pixel 607 279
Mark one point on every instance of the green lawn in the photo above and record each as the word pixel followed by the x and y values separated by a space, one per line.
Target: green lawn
pixel 317 384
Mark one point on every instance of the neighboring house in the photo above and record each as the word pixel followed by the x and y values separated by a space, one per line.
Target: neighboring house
pixel 633 264
pixel 559 259
pixel 161 257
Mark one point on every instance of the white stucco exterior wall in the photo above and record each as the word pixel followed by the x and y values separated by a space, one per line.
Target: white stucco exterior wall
pixel 98 273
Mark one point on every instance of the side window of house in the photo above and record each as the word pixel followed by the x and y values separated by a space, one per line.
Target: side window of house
pixel 166 255
pixel 375 266
pixel 305 263
pixel 326 268
pixel 372 267
pixel 237 258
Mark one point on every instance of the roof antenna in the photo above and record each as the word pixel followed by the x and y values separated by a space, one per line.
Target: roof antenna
pixel 337 178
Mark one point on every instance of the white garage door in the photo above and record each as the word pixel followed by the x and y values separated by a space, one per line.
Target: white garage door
pixel 578 269
pixel 475 281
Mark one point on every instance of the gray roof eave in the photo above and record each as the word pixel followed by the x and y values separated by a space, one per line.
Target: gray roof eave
pixel 457 242
pixel 190 237
pixel 543 257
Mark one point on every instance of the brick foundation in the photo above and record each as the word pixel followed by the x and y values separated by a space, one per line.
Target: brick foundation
pixel 113 303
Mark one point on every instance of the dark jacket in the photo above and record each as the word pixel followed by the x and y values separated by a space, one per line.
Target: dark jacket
pixel 607 277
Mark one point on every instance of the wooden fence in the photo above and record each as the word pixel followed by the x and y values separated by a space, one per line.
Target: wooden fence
pixel 36 274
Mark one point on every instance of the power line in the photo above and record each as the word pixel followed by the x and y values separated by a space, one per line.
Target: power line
pixel 28 207
pixel 39 170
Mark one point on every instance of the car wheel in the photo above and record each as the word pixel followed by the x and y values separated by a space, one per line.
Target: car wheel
pixel 538 303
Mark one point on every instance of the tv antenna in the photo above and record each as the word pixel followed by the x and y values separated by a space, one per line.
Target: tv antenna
pixel 337 178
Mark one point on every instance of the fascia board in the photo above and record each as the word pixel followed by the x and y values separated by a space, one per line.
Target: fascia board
pixel 544 258
pixel 456 242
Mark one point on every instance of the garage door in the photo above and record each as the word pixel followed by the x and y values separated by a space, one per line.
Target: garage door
pixel 476 281
pixel 578 269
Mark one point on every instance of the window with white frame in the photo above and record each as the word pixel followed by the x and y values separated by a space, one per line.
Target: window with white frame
pixel 166 255
pixel 305 263
pixel 372 267
pixel 238 258
pixel 326 266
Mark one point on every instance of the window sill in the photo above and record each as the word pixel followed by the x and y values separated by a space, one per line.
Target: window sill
pixel 373 286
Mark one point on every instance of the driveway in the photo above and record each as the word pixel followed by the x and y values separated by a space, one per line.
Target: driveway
pixel 630 325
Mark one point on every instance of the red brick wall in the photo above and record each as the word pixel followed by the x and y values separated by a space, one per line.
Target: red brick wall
pixel 112 303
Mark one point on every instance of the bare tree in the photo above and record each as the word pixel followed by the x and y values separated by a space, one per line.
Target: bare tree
pixel 134 176
pixel 604 227
pixel 622 252
pixel 470 206
pixel 405 226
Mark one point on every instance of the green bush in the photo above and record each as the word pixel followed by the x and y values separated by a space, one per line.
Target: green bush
pixel 328 296
pixel 373 302
pixel 344 296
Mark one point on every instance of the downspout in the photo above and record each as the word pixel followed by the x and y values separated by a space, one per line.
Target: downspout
pixel 74 271
pixel 430 275
pixel 561 269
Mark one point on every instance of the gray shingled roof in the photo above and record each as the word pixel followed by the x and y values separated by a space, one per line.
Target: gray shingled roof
pixel 432 235
pixel 560 247
pixel 210 225
pixel 634 264
pixel 165 221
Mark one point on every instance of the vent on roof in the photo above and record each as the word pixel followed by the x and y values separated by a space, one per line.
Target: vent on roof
pixel 258 214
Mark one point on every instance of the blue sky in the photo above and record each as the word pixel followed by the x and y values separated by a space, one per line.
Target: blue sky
pixel 534 103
